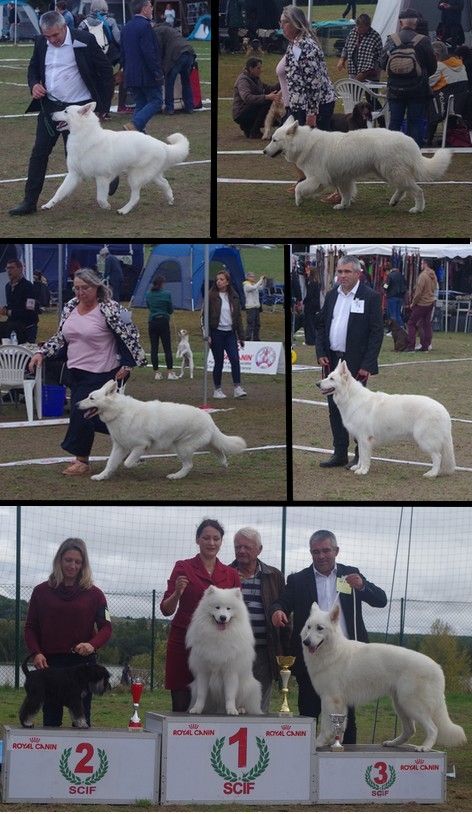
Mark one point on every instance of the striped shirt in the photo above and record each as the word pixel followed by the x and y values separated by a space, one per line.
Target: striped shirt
pixel 252 596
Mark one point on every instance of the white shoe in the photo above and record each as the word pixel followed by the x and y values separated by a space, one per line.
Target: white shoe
pixel 389 334
pixel 218 394
pixel 171 375
pixel 239 393
pixel 157 376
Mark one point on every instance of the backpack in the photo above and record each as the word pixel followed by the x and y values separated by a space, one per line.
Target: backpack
pixel 402 62
pixel 99 33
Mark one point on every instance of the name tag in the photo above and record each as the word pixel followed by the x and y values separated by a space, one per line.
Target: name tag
pixel 30 304
pixel 357 307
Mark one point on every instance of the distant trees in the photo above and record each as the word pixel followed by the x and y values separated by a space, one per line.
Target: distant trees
pixel 445 648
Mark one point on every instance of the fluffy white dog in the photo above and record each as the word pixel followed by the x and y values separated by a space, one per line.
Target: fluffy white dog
pixel 93 152
pixel 346 673
pixel 184 352
pixel 221 644
pixel 374 418
pixel 340 159
pixel 140 427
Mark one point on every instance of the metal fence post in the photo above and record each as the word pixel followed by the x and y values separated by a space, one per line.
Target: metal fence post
pixel 153 637
pixel 17 597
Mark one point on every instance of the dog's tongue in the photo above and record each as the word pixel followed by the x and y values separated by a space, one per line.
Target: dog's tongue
pixel 61 126
pixel 221 625
pixel 91 413
pixel 312 649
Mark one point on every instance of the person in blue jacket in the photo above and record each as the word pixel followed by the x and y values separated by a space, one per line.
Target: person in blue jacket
pixel 141 61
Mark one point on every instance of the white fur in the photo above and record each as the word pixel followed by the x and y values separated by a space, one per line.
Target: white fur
pixel 184 352
pixel 140 427
pixel 340 159
pixel 93 152
pixel 347 673
pixel 221 644
pixel 374 418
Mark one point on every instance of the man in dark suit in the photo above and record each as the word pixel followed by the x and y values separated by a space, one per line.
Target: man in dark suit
pixel 22 308
pixel 349 327
pixel 141 62
pixel 65 68
pixel 321 583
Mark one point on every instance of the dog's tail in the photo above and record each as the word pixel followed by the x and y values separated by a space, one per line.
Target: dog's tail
pixel 228 444
pixel 177 149
pixel 448 461
pixel 449 734
pixel 431 169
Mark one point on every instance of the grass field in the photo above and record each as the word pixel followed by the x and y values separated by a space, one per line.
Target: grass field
pixel 442 374
pixel 79 215
pixel 248 177
pixel 113 711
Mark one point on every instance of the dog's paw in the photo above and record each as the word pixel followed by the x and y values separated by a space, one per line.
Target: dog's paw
pixel 104 204
pixel 170 201
pixel 100 476
pixel 341 206
pixel 230 710
pixel 388 743
pixel 361 470
pixel 49 204
pixel 414 210
pixel 196 709
pixel 430 474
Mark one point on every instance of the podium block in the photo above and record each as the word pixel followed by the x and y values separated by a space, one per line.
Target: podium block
pixel 225 759
pixel 77 766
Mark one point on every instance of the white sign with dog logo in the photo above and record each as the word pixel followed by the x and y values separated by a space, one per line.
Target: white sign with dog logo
pixel 256 357
pixel 76 767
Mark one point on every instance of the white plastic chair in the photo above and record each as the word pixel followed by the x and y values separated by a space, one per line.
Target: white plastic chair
pixel 14 361
pixel 350 91
pixel 463 309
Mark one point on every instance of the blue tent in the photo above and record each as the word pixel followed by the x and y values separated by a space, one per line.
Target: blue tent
pixel 202 28
pixel 182 265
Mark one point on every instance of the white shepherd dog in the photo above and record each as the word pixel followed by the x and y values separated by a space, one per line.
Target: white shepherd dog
pixel 374 418
pixel 222 652
pixel 346 673
pixel 340 159
pixel 93 152
pixel 140 427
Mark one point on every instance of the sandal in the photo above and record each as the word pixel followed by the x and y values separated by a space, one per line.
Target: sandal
pixel 77 468
pixel 332 198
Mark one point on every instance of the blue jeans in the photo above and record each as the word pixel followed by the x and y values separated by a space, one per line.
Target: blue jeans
pixel 222 341
pixel 394 309
pixel 183 66
pixel 415 115
pixel 148 103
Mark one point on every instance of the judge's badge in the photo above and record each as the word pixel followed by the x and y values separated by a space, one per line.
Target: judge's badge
pixel 342 586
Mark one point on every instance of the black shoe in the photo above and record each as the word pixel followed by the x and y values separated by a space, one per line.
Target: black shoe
pixel 335 460
pixel 24 208
pixel 352 463
pixel 114 185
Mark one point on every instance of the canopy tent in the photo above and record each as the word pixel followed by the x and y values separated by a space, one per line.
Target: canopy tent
pixel 27 27
pixel 385 19
pixel 444 250
pixel 202 28
pixel 182 265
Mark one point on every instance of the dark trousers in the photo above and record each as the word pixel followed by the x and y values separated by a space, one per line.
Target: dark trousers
pixel 262 671
pixel 222 341
pixel 148 104
pixel 52 712
pixel 159 329
pixel 81 431
pixel 415 111
pixel 24 333
pixel 350 7
pixel 420 320
pixel 340 434
pixel 253 324
pixel 180 700
pixel 323 118
pixel 309 703
pixel 251 120
pixel 183 66
pixel 394 309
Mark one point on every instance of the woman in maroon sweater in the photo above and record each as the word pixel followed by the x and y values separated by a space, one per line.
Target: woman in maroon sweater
pixel 186 586
pixel 68 619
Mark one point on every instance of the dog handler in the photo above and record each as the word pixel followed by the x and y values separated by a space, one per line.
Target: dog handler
pixel 68 619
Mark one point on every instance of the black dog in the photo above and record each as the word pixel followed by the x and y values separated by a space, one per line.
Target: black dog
pixel 357 120
pixel 63 685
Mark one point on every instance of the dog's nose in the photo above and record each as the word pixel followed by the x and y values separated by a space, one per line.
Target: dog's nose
pixel 222 618
pixel 306 642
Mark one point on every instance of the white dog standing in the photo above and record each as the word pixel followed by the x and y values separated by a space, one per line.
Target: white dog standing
pixel 339 159
pixel 93 152
pixel 184 352
pixel 374 418
pixel 346 673
pixel 140 427
pixel 222 652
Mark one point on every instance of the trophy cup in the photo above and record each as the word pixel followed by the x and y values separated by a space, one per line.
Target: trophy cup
pixel 135 724
pixel 337 723
pixel 285 663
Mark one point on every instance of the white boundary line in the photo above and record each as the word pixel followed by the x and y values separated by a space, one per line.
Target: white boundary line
pixel 62 175
pixel 421 360
pixel 324 404
pixel 302 448
pixel 364 183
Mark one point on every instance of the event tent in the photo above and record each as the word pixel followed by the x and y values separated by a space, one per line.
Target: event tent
pixel 28 27
pixel 201 29
pixel 183 267
pixel 385 19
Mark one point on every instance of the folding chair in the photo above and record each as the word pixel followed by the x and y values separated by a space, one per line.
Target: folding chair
pixel 14 361
pixel 350 91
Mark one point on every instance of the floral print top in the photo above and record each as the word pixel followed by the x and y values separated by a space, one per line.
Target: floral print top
pixel 309 85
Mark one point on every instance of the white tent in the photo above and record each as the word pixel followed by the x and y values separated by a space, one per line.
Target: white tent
pixel 385 19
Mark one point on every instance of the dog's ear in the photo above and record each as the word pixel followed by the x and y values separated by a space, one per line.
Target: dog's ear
pixel 210 590
pixel 334 613
pixel 292 129
pixel 88 108
pixel 110 387
pixel 344 368
pixel 238 593
pixel 315 606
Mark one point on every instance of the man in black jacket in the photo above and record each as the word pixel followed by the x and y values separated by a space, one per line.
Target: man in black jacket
pixel 349 327
pixel 65 68
pixel 324 582
pixel 21 309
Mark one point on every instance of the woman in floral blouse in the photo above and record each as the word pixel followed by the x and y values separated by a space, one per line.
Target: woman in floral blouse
pixel 311 92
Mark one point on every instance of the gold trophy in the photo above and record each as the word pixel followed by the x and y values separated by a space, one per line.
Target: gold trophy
pixel 285 663
pixel 337 723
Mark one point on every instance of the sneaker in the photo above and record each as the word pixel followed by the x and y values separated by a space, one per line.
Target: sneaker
pixel 157 376
pixel 218 393
pixel 389 334
pixel 129 126
pixel 172 375
pixel 239 393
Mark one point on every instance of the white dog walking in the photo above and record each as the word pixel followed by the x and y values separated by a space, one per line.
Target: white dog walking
pixel 346 673
pixel 184 352
pixel 374 418
pixel 140 427
pixel 222 652
pixel 93 152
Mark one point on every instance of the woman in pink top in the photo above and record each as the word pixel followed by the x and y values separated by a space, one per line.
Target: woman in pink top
pixel 99 342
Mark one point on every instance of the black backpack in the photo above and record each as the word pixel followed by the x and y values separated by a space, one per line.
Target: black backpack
pixel 402 64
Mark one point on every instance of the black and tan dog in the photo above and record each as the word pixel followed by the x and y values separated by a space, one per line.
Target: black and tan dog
pixel 399 335
pixel 62 685
pixel 357 120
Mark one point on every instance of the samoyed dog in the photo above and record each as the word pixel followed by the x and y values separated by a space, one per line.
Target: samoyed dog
pixel 93 152
pixel 346 673
pixel 340 159
pixel 141 427
pixel 374 418
pixel 221 644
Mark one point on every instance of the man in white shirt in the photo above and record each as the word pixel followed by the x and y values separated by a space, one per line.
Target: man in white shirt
pixel 65 68
pixel 251 293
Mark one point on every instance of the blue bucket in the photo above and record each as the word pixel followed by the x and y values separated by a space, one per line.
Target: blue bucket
pixel 54 397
